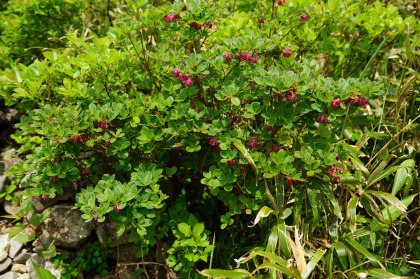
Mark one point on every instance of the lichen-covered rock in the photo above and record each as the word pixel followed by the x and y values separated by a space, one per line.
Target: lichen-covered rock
pixel 11 208
pixel 41 204
pixel 9 159
pixel 66 226
pixel 109 229
pixel 128 253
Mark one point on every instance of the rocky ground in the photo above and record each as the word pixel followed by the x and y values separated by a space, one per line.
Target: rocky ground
pixel 64 227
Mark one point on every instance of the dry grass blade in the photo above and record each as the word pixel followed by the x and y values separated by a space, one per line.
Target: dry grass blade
pixel 241 147
pixel 403 97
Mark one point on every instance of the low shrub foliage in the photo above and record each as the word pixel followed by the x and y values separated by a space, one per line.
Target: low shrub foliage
pixel 185 121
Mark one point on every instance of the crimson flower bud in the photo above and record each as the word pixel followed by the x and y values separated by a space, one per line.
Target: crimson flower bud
pixel 287 53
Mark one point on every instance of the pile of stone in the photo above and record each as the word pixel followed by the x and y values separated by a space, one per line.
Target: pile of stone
pixel 64 227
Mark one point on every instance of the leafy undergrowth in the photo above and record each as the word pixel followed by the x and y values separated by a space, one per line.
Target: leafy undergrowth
pixel 210 126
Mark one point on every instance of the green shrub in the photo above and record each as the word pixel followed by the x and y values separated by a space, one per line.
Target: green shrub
pixel 251 126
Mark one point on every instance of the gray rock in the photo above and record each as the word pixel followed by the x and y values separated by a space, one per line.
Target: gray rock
pixel 22 257
pixel 50 267
pixel 38 260
pixel 4 265
pixel 66 226
pixel 10 208
pixel 2 183
pixel 40 205
pixel 10 275
pixel 8 162
pixel 40 248
pixel 4 246
pixel 12 115
pixel 24 276
pixel 109 229
pixel 15 248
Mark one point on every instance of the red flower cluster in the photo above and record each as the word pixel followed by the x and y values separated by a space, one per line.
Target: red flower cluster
pixel 214 142
pixel 85 172
pixel 45 197
pixel 185 78
pixel 170 17
pixel 333 171
pixel 208 121
pixel 247 57
pixel 229 163
pixel 76 138
pixel 290 182
pixel 268 127
pixel 197 26
pixel 54 179
pixel 335 103
pixel 254 60
pixel 321 119
pixel 58 160
pixel 287 53
pixel 253 143
pixel 95 215
pixel 277 94
pixel 227 57
pixel 304 17
pixel 261 20
pixel 103 124
pixel 362 102
pixel 290 95
pixel 281 3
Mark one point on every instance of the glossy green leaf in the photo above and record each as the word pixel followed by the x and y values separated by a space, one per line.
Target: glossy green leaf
pixel 327 192
pixel 391 199
pixel 384 174
pixel 384 274
pixel 185 229
pixel 17 228
pixel 379 169
pixel 313 202
pixel 219 273
pixel 341 251
pixel 283 238
pixel 364 251
pixel 351 212
pixel 23 238
pixel 402 175
pixel 277 267
pixel 42 273
pixel 392 211
pixel 310 266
